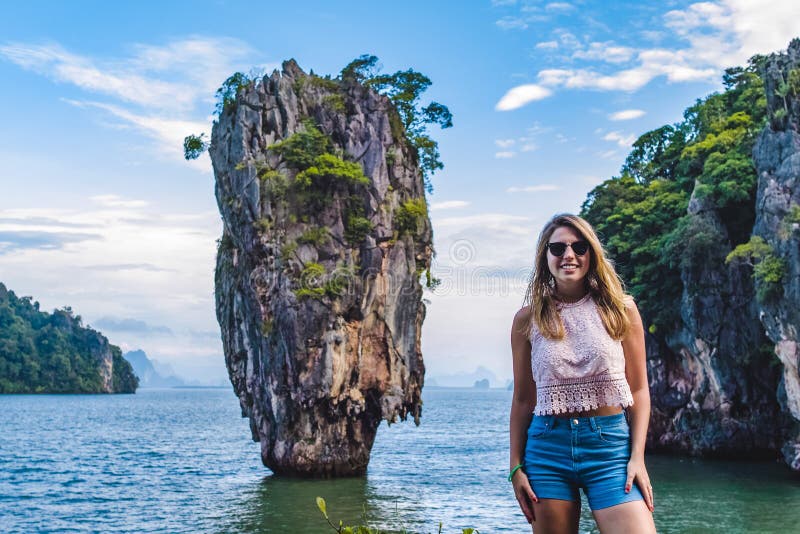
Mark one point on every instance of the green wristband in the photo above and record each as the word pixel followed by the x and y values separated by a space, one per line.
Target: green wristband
pixel 514 470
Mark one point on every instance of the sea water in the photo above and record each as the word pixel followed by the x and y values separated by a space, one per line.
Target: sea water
pixel 181 460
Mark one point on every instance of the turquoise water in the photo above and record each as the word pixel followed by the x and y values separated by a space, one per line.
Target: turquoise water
pixel 182 461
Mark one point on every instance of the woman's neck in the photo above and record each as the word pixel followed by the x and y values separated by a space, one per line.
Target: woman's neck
pixel 571 294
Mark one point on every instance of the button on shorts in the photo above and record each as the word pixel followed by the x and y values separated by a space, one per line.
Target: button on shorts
pixel 592 453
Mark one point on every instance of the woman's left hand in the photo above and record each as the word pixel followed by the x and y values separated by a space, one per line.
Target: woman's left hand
pixel 637 473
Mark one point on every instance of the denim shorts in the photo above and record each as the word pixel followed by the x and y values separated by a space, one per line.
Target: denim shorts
pixel 564 454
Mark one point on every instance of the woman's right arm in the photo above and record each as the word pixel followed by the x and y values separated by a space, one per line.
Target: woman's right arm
pixel 522 405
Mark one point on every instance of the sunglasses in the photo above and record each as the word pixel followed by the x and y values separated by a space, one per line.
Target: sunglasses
pixel 578 247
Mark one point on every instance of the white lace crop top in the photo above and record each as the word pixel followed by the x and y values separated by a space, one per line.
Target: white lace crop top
pixel 584 370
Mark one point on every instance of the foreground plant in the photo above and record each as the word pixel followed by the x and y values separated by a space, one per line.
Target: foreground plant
pixel 364 528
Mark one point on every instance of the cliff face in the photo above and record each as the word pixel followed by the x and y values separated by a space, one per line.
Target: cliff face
pixel 726 381
pixel 317 279
pixel 714 386
pixel 777 158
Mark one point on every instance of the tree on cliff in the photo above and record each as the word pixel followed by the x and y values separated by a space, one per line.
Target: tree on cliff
pixel 404 88
pixel 643 212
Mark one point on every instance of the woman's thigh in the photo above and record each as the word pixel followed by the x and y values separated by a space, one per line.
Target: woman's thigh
pixel 626 517
pixel 554 516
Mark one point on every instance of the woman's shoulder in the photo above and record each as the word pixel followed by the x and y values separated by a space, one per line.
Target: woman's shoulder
pixel 522 321
pixel 523 314
pixel 630 304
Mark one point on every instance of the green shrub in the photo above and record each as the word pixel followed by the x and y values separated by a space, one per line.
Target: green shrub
pixel 431 282
pixel 768 269
pixel 356 228
pixel 316 235
pixel 410 215
pixel 301 149
pixel 287 249
pixel 334 102
pixel 194 146
pixel 263 224
pixel 226 94
pixel 328 168
pixel 322 83
pixel 339 280
pixel 273 182
pixel 224 243
pixel 310 292
pixel 794 214
pixel 311 281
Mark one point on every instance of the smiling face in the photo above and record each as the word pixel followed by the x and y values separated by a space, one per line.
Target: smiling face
pixel 570 269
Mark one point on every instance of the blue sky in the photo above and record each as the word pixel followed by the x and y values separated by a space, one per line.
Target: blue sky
pixel 99 210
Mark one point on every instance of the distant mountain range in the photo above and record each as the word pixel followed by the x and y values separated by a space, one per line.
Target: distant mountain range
pixel 481 378
pixel 151 373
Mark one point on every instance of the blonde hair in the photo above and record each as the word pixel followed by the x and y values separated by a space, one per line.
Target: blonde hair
pixel 601 281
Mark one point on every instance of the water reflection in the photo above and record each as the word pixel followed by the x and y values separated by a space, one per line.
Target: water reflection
pixel 289 505
pixel 724 496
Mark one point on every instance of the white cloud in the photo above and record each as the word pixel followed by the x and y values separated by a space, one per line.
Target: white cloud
pixel 128 85
pixel 115 201
pixel 559 6
pixel 547 45
pixel 521 95
pixel 504 143
pixel 717 35
pixel 165 92
pixel 568 39
pixel 529 147
pixel 512 23
pixel 607 51
pixel 533 188
pixel 449 204
pixel 137 263
pixel 653 35
pixel 168 133
pixel 623 140
pixel 504 154
pixel 494 221
pixel 626 115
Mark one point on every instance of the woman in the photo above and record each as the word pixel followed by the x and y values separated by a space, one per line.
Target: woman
pixel 579 359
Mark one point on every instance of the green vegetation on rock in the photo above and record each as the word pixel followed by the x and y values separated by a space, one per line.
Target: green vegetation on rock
pixel 642 214
pixel 356 228
pixel 404 88
pixel 410 215
pixel 54 353
pixel 226 94
pixel 194 146
pixel 316 235
pixel 301 149
pixel 768 269
pixel 327 169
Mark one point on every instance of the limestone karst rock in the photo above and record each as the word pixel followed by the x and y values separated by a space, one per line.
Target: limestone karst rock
pixel 777 159
pixel 725 382
pixel 317 280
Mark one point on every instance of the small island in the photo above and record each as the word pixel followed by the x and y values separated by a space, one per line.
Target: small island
pixel 44 352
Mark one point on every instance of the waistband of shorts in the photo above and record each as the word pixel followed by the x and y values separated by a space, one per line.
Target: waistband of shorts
pixel 592 422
